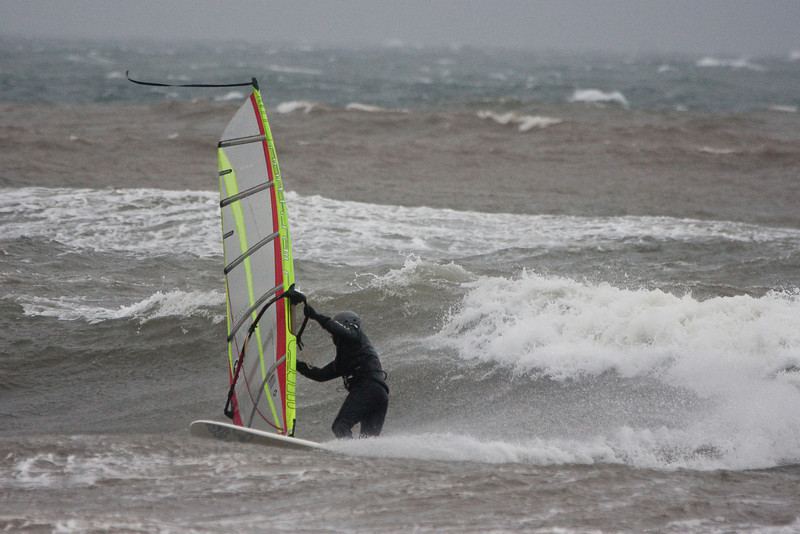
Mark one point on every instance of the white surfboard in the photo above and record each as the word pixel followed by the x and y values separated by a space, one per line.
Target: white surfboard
pixel 240 434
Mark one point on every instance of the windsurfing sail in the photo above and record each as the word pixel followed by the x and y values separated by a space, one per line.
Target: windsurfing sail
pixel 258 272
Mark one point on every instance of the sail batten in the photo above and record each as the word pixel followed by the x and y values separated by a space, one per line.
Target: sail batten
pixel 241 140
pixel 244 194
pixel 249 252
pixel 258 270
pixel 254 308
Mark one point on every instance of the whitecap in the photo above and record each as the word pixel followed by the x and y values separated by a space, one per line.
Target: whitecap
pixel 230 95
pixel 525 122
pixel 783 108
pixel 740 63
pixel 731 352
pixel 294 70
pixel 716 151
pixel 173 303
pixel 368 108
pixel 356 106
pixel 155 222
pixel 294 105
pixel 595 96
pixel 566 329
pixel 415 271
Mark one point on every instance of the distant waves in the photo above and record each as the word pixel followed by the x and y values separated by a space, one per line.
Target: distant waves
pixel 397 77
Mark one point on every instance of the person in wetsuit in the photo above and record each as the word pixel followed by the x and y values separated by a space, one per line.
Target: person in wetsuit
pixel 357 362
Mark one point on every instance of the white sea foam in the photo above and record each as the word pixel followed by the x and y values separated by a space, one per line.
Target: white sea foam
pixel 173 303
pixel 415 271
pixel 89 469
pixel 368 233
pixel 153 222
pixel 738 353
pixel 115 75
pixel 294 70
pixel 660 448
pixel 741 63
pixel 48 470
pixel 355 106
pixel 525 122
pixel 565 329
pixel 230 95
pixel 460 448
pixel 783 108
pixel 294 105
pixel 595 96
pixel 141 221
pixel 716 151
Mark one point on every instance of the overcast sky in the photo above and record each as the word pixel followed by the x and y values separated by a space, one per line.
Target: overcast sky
pixel 733 27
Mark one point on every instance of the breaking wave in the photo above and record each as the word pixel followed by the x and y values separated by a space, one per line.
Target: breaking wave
pixel 230 96
pixel 524 122
pixel 783 108
pixel 564 329
pixel 741 63
pixel 369 108
pixel 284 69
pixel 738 356
pixel 295 105
pixel 154 222
pixel 595 96
pixel 161 304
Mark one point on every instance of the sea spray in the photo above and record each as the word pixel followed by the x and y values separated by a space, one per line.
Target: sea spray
pixel 563 329
pixel 732 355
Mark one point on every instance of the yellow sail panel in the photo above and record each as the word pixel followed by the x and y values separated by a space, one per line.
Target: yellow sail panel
pixel 258 268
pixel 287 260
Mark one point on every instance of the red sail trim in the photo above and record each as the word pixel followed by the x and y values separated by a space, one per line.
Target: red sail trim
pixel 280 311
pixel 237 418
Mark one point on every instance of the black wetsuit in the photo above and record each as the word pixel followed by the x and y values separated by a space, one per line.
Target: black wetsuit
pixel 357 362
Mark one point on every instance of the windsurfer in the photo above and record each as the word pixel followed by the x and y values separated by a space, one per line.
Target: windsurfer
pixel 357 362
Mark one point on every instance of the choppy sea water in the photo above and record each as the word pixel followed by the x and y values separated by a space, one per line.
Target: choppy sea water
pixel 404 77
pixel 573 369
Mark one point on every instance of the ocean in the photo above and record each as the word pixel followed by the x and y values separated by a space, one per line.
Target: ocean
pixel 582 273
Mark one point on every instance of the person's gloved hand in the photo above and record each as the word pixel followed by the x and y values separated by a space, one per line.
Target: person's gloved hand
pixel 303 368
pixel 295 296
